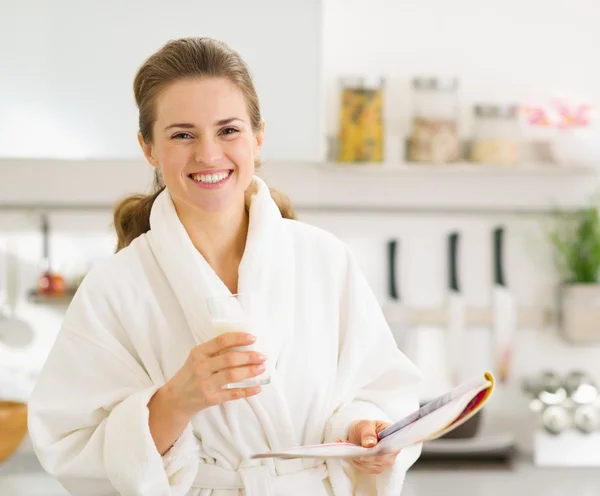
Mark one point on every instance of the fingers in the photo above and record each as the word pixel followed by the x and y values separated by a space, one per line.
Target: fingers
pixel 233 359
pixel 219 396
pixel 365 433
pixel 388 457
pixel 225 341
pixel 369 468
pixel 375 464
pixel 236 374
pixel 379 459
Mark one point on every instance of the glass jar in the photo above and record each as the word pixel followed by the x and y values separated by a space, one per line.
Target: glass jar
pixel 434 136
pixel 496 136
pixel 361 127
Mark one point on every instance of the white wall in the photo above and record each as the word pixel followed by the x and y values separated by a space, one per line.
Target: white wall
pixel 68 68
pixel 502 51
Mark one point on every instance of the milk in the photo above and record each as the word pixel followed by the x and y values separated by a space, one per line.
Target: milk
pixel 222 326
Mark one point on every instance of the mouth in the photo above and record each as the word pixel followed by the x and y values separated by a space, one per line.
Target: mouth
pixel 214 178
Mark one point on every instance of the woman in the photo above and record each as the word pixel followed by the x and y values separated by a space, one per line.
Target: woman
pixel 132 398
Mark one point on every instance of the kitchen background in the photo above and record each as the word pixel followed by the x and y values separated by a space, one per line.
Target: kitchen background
pixel 68 151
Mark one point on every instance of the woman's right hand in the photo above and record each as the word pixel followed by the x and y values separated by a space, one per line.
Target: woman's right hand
pixel 210 366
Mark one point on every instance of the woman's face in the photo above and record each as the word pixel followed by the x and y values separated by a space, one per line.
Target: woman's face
pixel 204 144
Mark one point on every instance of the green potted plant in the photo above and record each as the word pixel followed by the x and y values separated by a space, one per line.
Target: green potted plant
pixel 576 242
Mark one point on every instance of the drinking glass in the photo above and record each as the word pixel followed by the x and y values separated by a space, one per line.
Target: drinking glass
pixel 229 314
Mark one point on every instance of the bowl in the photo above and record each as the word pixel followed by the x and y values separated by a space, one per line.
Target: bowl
pixel 13 427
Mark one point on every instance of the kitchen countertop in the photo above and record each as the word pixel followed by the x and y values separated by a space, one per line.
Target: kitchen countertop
pixel 21 476
pixel 522 478
pixel 31 484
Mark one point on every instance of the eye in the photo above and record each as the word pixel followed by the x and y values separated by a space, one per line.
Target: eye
pixel 229 131
pixel 182 135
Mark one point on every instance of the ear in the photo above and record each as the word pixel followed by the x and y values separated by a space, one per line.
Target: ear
pixel 148 150
pixel 260 137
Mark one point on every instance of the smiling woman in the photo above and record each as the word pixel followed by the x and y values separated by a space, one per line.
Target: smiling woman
pixel 201 128
pixel 150 390
pixel 194 143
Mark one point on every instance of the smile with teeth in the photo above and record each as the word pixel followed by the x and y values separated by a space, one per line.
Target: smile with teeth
pixel 210 178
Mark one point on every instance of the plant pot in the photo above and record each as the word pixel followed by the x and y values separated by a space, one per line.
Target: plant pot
pixel 578 147
pixel 579 312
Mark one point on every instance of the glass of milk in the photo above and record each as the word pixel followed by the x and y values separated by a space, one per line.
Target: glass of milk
pixel 228 314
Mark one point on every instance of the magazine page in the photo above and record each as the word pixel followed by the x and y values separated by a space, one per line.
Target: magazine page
pixel 473 385
pixel 429 422
pixel 435 423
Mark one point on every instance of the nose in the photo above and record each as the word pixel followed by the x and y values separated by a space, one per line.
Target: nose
pixel 207 151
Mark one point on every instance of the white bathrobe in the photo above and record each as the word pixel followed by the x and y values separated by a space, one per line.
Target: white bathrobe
pixel 132 324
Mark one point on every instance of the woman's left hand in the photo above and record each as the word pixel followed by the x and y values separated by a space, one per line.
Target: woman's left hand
pixel 364 433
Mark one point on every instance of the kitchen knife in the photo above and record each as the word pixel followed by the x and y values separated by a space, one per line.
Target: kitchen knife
pixel 456 309
pixel 397 312
pixel 504 312
pixel 392 283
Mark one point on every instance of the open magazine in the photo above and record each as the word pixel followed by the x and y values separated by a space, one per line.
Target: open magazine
pixel 431 421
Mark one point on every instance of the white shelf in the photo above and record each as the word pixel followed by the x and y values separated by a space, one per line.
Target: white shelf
pixel 459 168
pixel 58 300
pixel 319 186
pixel 422 188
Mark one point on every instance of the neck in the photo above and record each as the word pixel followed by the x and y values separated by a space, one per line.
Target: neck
pixel 219 236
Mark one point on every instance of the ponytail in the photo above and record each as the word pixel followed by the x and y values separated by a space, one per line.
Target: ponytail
pixel 284 204
pixel 282 201
pixel 132 215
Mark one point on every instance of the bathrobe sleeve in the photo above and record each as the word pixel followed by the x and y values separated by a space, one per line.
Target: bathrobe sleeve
pixel 88 414
pixel 376 381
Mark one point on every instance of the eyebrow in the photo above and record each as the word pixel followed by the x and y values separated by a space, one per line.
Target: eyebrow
pixel 187 125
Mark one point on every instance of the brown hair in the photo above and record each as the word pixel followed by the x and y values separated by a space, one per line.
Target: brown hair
pixel 178 59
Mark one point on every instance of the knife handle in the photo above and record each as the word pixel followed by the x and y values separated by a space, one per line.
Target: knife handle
pixel 453 262
pixel 45 237
pixel 499 278
pixel 392 258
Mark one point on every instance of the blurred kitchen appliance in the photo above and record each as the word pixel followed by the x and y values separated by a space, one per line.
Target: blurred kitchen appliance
pixel 14 331
pixel 456 333
pixel 456 310
pixel 427 339
pixel 480 449
pixel 567 419
pixel 50 282
pixel 396 311
pixel 505 311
